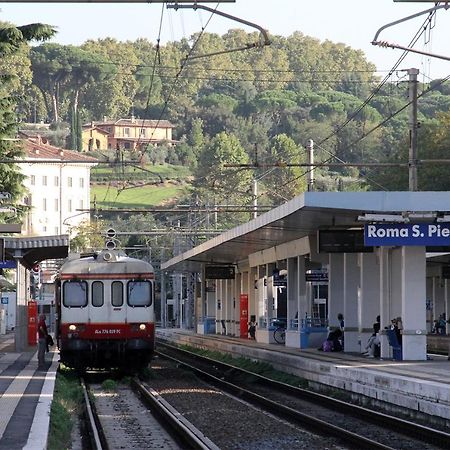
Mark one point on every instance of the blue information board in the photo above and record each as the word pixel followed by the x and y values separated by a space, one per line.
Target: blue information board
pixel 407 234
pixel 9 264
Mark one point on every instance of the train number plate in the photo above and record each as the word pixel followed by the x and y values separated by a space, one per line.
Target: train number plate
pixel 108 331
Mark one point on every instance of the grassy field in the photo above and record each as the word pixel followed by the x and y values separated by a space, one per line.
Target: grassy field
pixel 139 196
pixel 136 197
pixel 166 171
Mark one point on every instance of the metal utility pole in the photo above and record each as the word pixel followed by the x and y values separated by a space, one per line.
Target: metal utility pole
pixel 255 198
pixel 413 161
pixel 311 162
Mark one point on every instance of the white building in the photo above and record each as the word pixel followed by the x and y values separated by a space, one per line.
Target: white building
pixel 58 185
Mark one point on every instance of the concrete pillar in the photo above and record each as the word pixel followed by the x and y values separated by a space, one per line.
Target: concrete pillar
pixel 270 293
pixel 297 306
pixel 220 305
pixel 351 312
pixel 439 303
pixel 292 293
pixel 447 303
pixel 335 288
pixel 303 301
pixel 252 293
pixel 384 257
pixel 429 300
pixel 369 295
pixel 229 307
pixel 395 305
pixel 414 339
pixel 261 298
pixel 22 296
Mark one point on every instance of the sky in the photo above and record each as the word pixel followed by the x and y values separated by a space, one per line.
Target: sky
pixel 352 22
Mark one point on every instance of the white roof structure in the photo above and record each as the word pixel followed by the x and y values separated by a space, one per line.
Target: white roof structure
pixel 303 216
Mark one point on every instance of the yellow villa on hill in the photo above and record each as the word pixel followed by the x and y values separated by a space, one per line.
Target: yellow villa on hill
pixel 128 134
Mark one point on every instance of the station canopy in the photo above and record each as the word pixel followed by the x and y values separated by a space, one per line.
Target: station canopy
pixel 304 216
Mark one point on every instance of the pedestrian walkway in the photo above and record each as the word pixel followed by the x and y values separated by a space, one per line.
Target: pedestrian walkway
pixel 25 396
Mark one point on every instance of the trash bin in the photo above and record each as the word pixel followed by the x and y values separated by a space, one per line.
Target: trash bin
pixel 304 337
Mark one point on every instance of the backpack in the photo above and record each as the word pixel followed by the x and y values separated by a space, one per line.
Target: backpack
pixel 327 346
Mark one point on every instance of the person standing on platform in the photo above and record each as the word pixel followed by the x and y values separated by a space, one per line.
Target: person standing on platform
pixel 42 333
pixel 373 343
pixel 341 321
pixel 340 318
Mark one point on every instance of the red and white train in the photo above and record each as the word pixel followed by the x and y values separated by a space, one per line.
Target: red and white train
pixel 105 311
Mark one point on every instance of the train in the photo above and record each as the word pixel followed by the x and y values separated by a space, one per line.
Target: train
pixel 105 311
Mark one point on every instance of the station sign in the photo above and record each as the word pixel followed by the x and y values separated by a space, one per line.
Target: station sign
pixel 342 241
pixel 316 277
pixel 8 264
pixel 279 279
pixel 219 272
pixel 407 234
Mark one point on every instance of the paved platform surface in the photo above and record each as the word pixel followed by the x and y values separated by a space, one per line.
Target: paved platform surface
pixel 421 386
pixel 25 396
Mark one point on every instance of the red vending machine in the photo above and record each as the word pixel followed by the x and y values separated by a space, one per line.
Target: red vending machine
pixel 244 316
pixel 32 323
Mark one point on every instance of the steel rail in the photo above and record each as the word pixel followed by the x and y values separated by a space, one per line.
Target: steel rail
pixel 95 432
pixel 417 431
pixel 184 430
pixel 317 425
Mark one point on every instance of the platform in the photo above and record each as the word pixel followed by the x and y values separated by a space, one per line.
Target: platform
pixel 25 396
pixel 420 386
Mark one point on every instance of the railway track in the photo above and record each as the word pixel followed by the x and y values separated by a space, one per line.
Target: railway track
pixel 135 417
pixel 356 426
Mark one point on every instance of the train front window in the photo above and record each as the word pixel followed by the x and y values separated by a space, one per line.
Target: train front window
pixel 117 293
pixel 139 293
pixel 75 294
pixel 97 293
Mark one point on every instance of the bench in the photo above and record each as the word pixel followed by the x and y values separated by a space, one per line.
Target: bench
pixel 396 347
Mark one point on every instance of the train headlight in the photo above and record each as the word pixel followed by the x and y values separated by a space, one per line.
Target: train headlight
pixel 142 326
pixel 72 327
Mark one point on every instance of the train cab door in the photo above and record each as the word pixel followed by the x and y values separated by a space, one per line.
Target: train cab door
pixel 107 304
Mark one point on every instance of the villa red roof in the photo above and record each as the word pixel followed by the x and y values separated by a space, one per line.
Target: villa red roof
pixel 38 148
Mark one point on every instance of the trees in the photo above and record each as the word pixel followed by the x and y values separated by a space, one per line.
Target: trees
pixel 284 183
pixel 12 41
pixel 62 72
pixel 217 184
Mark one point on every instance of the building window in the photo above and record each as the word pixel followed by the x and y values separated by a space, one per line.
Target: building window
pixel 69 181
pixel 56 181
pixel 126 146
pixel 44 204
pixel 56 204
pixel 81 204
pixel 126 132
pixel 81 182
pixel 44 228
pixel 56 230
pixel 32 180
pixel 44 180
pixel 69 205
pixel 142 132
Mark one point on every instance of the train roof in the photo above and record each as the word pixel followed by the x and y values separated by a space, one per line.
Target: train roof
pixel 104 261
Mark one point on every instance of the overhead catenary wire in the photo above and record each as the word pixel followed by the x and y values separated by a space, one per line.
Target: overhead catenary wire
pixel 382 83
pixel 172 88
